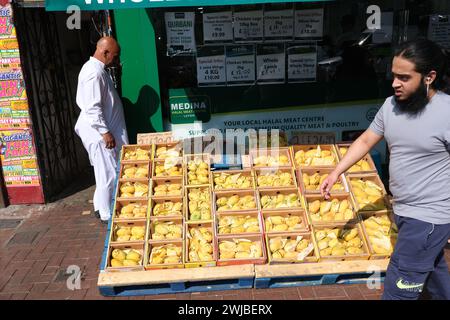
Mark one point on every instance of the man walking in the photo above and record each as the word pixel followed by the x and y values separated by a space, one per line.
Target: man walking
pixel 416 125
pixel 101 124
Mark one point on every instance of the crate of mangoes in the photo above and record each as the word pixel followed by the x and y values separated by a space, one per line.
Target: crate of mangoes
pixel 197 169
pixel 130 210
pixel 285 221
pixel 381 233
pixel 269 178
pixel 198 204
pixel 322 156
pixel 163 187
pixel 132 153
pixel 135 171
pixel 271 157
pixel 368 192
pixel 161 229
pixel 170 167
pixel 167 254
pixel 310 180
pixel 233 180
pixel 291 248
pixel 132 190
pixel 339 208
pixel 235 250
pixel 365 165
pixel 166 207
pixel 125 257
pixel 341 242
pixel 239 223
pixel 125 232
pixel 168 150
pixel 235 201
pixel 280 199
pixel 199 245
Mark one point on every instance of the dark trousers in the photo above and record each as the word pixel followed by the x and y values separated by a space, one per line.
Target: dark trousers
pixel 418 261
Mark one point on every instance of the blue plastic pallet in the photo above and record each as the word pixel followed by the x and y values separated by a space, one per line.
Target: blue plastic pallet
pixel 315 280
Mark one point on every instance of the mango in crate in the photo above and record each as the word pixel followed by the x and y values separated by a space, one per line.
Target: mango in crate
pixel 239 249
pixel 167 230
pixel 339 242
pixel 235 202
pixel 164 152
pixel 361 165
pixel 125 258
pixel 133 210
pixel 166 254
pixel 382 234
pixel 333 209
pixel 130 171
pixel 167 208
pixel 167 189
pixel 199 204
pixel 135 233
pixel 198 172
pixel 271 160
pixel 283 223
pixel 169 168
pixel 137 154
pixel 225 180
pixel 292 249
pixel 314 181
pixel 280 201
pixel 133 189
pixel 368 195
pixel 200 244
pixel 238 224
pixel 275 179
pixel 315 157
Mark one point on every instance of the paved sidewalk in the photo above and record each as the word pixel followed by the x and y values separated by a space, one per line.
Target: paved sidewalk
pixel 38 243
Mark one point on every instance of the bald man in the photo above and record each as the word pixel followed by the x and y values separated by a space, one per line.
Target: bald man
pixel 101 124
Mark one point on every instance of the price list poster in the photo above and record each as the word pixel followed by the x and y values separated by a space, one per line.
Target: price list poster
pixel 17 152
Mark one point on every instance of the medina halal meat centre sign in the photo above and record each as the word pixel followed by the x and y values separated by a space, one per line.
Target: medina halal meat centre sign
pixel 63 5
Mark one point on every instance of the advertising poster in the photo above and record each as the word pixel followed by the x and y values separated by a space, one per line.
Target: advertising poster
pixel 302 63
pixel 211 66
pixel 240 62
pixel 248 25
pixel 180 32
pixel 218 27
pixel 309 24
pixel 271 63
pixel 278 25
pixel 439 30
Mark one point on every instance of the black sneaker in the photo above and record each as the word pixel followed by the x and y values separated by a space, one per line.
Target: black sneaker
pixel 97 214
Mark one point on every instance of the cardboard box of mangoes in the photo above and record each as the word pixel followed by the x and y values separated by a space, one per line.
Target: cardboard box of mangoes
pixel 199 245
pixel 297 247
pixel 381 233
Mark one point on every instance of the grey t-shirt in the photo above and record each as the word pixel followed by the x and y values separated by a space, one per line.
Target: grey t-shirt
pixel 420 158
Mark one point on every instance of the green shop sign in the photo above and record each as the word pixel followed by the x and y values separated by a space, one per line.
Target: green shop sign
pixel 63 5
pixel 185 109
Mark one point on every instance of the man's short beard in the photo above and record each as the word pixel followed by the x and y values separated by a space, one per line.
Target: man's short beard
pixel 416 103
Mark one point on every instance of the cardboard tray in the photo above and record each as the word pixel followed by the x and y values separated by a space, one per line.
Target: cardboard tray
pixel 228 194
pixel 168 145
pixel 137 247
pixel 127 223
pixel 130 147
pixel 229 262
pixel 306 148
pixel 304 226
pixel 119 204
pixel 154 201
pixel 246 172
pixel 198 264
pixel 273 152
pixel 154 220
pixel 186 211
pixel 374 178
pixel 253 214
pixel 320 171
pixel 204 157
pixel 340 197
pixel 274 170
pixel 363 256
pixel 276 191
pixel 152 244
pixel 164 175
pixel 312 258
pixel 132 199
pixel 367 157
pixel 365 215
pixel 135 164
pixel 165 180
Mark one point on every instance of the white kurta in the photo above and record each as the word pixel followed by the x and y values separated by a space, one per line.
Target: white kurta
pixel 101 111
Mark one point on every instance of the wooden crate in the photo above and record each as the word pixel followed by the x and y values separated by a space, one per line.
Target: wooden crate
pixel 165 180
pixel 133 181
pixel 229 262
pixel 322 171
pixel 304 226
pixel 132 147
pixel 154 244
pixel 275 192
pixel 228 194
pixel 312 257
pixel 135 223
pixel 363 256
pixel 367 157
pixel 271 152
pixel 198 264
pixel 253 214
pixel 306 148
pixel 154 220
pixel 137 247
pixel 187 213
pixel 368 177
pixel 178 162
pixel 271 171
pixel 202 156
pixel 366 215
pixel 169 145
pixel 246 172
pixel 154 201
pixel 346 196
pixel 135 164
pixel 119 204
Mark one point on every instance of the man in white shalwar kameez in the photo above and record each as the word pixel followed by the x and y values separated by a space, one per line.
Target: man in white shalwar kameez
pixel 101 124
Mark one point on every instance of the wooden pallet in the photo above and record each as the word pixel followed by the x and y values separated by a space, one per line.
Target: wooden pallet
pixel 176 280
pixel 308 274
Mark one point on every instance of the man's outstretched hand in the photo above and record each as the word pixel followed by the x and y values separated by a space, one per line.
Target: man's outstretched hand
pixel 327 184
pixel 110 142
